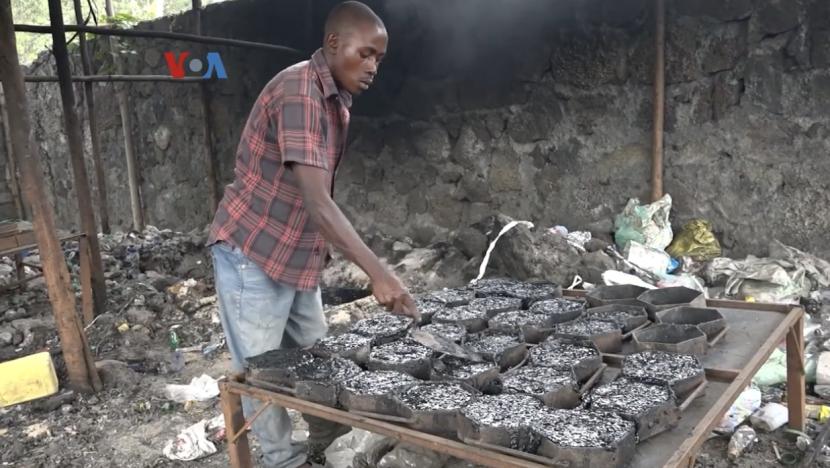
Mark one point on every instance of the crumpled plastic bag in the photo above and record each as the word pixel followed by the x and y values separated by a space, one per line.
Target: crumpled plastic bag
pixel 200 388
pixel 695 240
pixel 196 441
pixel 650 259
pixel 747 403
pixel 774 371
pixel 646 224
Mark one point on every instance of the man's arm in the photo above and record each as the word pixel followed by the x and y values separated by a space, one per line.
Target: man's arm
pixel 336 228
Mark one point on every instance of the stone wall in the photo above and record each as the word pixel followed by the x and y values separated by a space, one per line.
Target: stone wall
pixel 540 110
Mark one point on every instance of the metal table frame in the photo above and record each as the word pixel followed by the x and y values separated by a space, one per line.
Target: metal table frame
pixel 790 328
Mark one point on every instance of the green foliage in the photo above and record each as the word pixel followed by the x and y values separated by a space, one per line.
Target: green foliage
pixel 128 13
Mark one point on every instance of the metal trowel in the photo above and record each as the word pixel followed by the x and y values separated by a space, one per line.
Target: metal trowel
pixel 443 345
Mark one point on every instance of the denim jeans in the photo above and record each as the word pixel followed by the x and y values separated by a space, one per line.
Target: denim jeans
pixel 258 315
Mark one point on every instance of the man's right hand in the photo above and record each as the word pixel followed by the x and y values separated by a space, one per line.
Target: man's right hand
pixel 391 294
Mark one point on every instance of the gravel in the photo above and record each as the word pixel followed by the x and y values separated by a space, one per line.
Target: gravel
pixel 514 320
pixel 283 359
pixel 587 328
pixel 530 293
pixel 580 428
pixel 561 354
pixel 661 367
pixel 506 410
pixel 452 297
pixel 400 352
pixel 450 331
pixel 378 383
pixel 457 314
pixel 537 380
pixel 558 307
pixel 382 326
pixel 628 398
pixel 331 370
pixel 495 305
pixel 493 344
pixel 435 397
pixel 341 344
pixel 493 287
pixel 462 369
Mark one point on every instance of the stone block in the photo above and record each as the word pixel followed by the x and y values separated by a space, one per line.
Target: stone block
pixel 778 16
pixel 724 10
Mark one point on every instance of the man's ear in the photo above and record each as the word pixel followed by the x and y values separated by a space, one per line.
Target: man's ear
pixel 332 42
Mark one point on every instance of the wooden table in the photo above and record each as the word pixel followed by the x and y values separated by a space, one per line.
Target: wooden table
pixel 755 331
pixel 15 244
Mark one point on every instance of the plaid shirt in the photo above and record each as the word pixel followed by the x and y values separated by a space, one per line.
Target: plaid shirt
pixel 301 117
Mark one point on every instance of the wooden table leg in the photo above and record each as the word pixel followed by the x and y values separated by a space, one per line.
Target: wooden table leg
pixel 87 299
pixel 795 375
pixel 238 450
pixel 21 270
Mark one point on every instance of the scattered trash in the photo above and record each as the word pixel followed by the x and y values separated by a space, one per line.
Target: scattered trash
pixel 196 441
pixel 650 259
pixel 770 417
pixel 38 430
pixel 741 440
pixel 747 403
pixel 200 388
pixel 695 240
pixel 820 413
pixel 614 277
pixel 646 224
pixel 774 371
pixel 803 443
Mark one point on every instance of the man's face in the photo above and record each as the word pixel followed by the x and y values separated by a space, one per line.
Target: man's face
pixel 355 56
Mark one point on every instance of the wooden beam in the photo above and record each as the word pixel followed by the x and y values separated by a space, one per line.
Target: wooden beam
pixel 126 127
pixel 404 434
pixel 159 35
pixel 686 453
pixel 239 450
pixel 73 344
pixel 207 125
pixel 117 78
pixel 11 164
pixel 76 154
pixel 659 99
pixel 86 66
pixel 795 375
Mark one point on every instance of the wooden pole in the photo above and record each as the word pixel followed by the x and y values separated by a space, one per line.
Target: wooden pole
pixel 239 451
pixel 114 78
pixel 795 375
pixel 126 126
pixel 11 165
pixel 160 35
pixel 659 100
pixel 207 119
pixel 76 153
pixel 93 124
pixel 80 368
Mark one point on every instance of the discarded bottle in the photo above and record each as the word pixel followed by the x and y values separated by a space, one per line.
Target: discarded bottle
pixel 741 440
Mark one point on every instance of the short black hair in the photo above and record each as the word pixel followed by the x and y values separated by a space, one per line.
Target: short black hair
pixel 350 13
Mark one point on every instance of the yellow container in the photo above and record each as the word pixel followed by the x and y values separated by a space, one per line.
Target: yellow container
pixel 27 378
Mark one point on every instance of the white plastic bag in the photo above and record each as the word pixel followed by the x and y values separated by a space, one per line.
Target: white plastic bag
pixel 743 438
pixel 646 224
pixel 194 442
pixel 200 388
pixel 770 417
pixel 648 258
pixel 747 403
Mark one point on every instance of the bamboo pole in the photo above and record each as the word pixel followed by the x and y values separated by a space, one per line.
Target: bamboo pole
pixel 11 165
pixel 126 126
pixel 93 124
pixel 207 119
pixel 114 78
pixel 159 35
pixel 76 154
pixel 83 376
pixel 659 100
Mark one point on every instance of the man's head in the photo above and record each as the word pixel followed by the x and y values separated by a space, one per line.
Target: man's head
pixel 354 44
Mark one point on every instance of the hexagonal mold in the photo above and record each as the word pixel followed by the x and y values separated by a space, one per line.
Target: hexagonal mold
pixel 580 356
pixel 373 392
pixel 673 338
pixel 682 372
pixel 606 295
pixel 584 439
pixel 433 406
pixel 554 387
pixel 606 335
pixel 628 317
pixel 479 375
pixel 500 420
pixel 559 310
pixel 531 326
pixel 667 298
pixel 346 345
pixel 505 349
pixel 473 318
pixel 383 327
pixel 652 407
pixel 534 291
pixel 407 356
pixel 711 321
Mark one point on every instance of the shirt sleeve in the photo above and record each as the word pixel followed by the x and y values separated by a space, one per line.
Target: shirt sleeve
pixel 301 130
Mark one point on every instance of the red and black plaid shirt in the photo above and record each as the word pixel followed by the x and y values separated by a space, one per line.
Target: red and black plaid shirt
pixel 299 117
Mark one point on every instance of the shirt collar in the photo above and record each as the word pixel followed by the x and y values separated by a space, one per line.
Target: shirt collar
pixel 330 88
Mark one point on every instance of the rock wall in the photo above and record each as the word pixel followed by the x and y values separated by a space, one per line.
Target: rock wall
pixel 540 110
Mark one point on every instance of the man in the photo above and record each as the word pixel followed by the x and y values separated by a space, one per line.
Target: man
pixel 270 234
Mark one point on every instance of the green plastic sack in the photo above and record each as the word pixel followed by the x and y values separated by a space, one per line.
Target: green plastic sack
pixel 695 240
pixel 774 371
pixel 647 224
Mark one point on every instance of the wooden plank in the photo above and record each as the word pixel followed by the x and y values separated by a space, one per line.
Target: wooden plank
pixel 87 304
pixel 685 454
pixel 15 247
pixel 743 305
pixel 239 450
pixel 795 375
pixel 403 434
pixel 74 136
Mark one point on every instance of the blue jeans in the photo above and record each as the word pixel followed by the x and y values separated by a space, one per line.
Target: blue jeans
pixel 258 315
